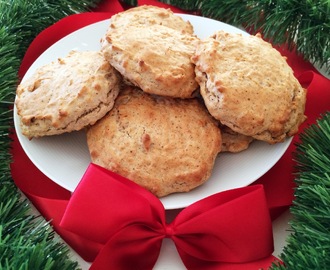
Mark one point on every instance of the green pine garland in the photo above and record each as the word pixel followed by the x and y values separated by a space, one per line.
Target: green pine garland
pixel 309 244
pixel 27 242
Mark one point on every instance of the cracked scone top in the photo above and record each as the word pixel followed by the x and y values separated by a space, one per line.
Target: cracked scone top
pixel 165 145
pixel 67 94
pixel 152 50
pixel 248 86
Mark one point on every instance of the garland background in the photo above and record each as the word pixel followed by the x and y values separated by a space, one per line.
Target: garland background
pixel 28 242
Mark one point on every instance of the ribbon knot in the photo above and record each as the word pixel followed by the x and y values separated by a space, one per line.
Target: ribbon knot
pixel 169 230
pixel 129 223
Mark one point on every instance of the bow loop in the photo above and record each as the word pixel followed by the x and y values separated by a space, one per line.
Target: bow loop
pixel 232 226
pixel 129 222
pixel 104 202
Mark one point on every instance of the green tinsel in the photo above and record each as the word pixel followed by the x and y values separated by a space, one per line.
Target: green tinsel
pixel 28 242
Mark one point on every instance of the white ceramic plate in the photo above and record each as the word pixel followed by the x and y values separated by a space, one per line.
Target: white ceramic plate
pixel 64 158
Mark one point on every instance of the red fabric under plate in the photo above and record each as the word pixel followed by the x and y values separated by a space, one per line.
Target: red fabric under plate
pixel 52 200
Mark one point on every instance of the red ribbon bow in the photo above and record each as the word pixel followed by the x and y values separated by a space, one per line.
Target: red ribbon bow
pixel 229 227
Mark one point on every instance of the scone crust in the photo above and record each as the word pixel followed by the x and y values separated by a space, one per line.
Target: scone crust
pixel 165 145
pixel 150 15
pixel 67 94
pixel 249 87
pixel 154 58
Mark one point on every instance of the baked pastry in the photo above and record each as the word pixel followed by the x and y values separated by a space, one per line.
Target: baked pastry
pixel 66 95
pixel 146 15
pixel 234 142
pixel 156 58
pixel 248 86
pixel 163 144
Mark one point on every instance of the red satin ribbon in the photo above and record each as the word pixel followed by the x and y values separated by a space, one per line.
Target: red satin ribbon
pixel 229 227
pixel 52 200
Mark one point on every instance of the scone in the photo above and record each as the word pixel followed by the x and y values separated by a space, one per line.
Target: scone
pixel 248 86
pixel 163 144
pixel 155 58
pixel 67 94
pixel 234 142
pixel 148 15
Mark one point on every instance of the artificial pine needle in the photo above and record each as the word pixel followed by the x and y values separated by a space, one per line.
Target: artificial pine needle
pixel 26 242
pixel 308 246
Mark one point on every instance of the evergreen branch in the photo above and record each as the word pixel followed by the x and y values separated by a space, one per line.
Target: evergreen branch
pixel 184 4
pixel 9 64
pixel 129 3
pixel 26 241
pixel 33 239
pixel 309 244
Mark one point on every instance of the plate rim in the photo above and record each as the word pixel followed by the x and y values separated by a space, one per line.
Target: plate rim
pixel 64 185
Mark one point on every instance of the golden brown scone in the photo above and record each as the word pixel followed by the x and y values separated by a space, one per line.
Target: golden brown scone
pixel 67 94
pixel 148 15
pixel 155 58
pixel 249 87
pixel 234 142
pixel 163 144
